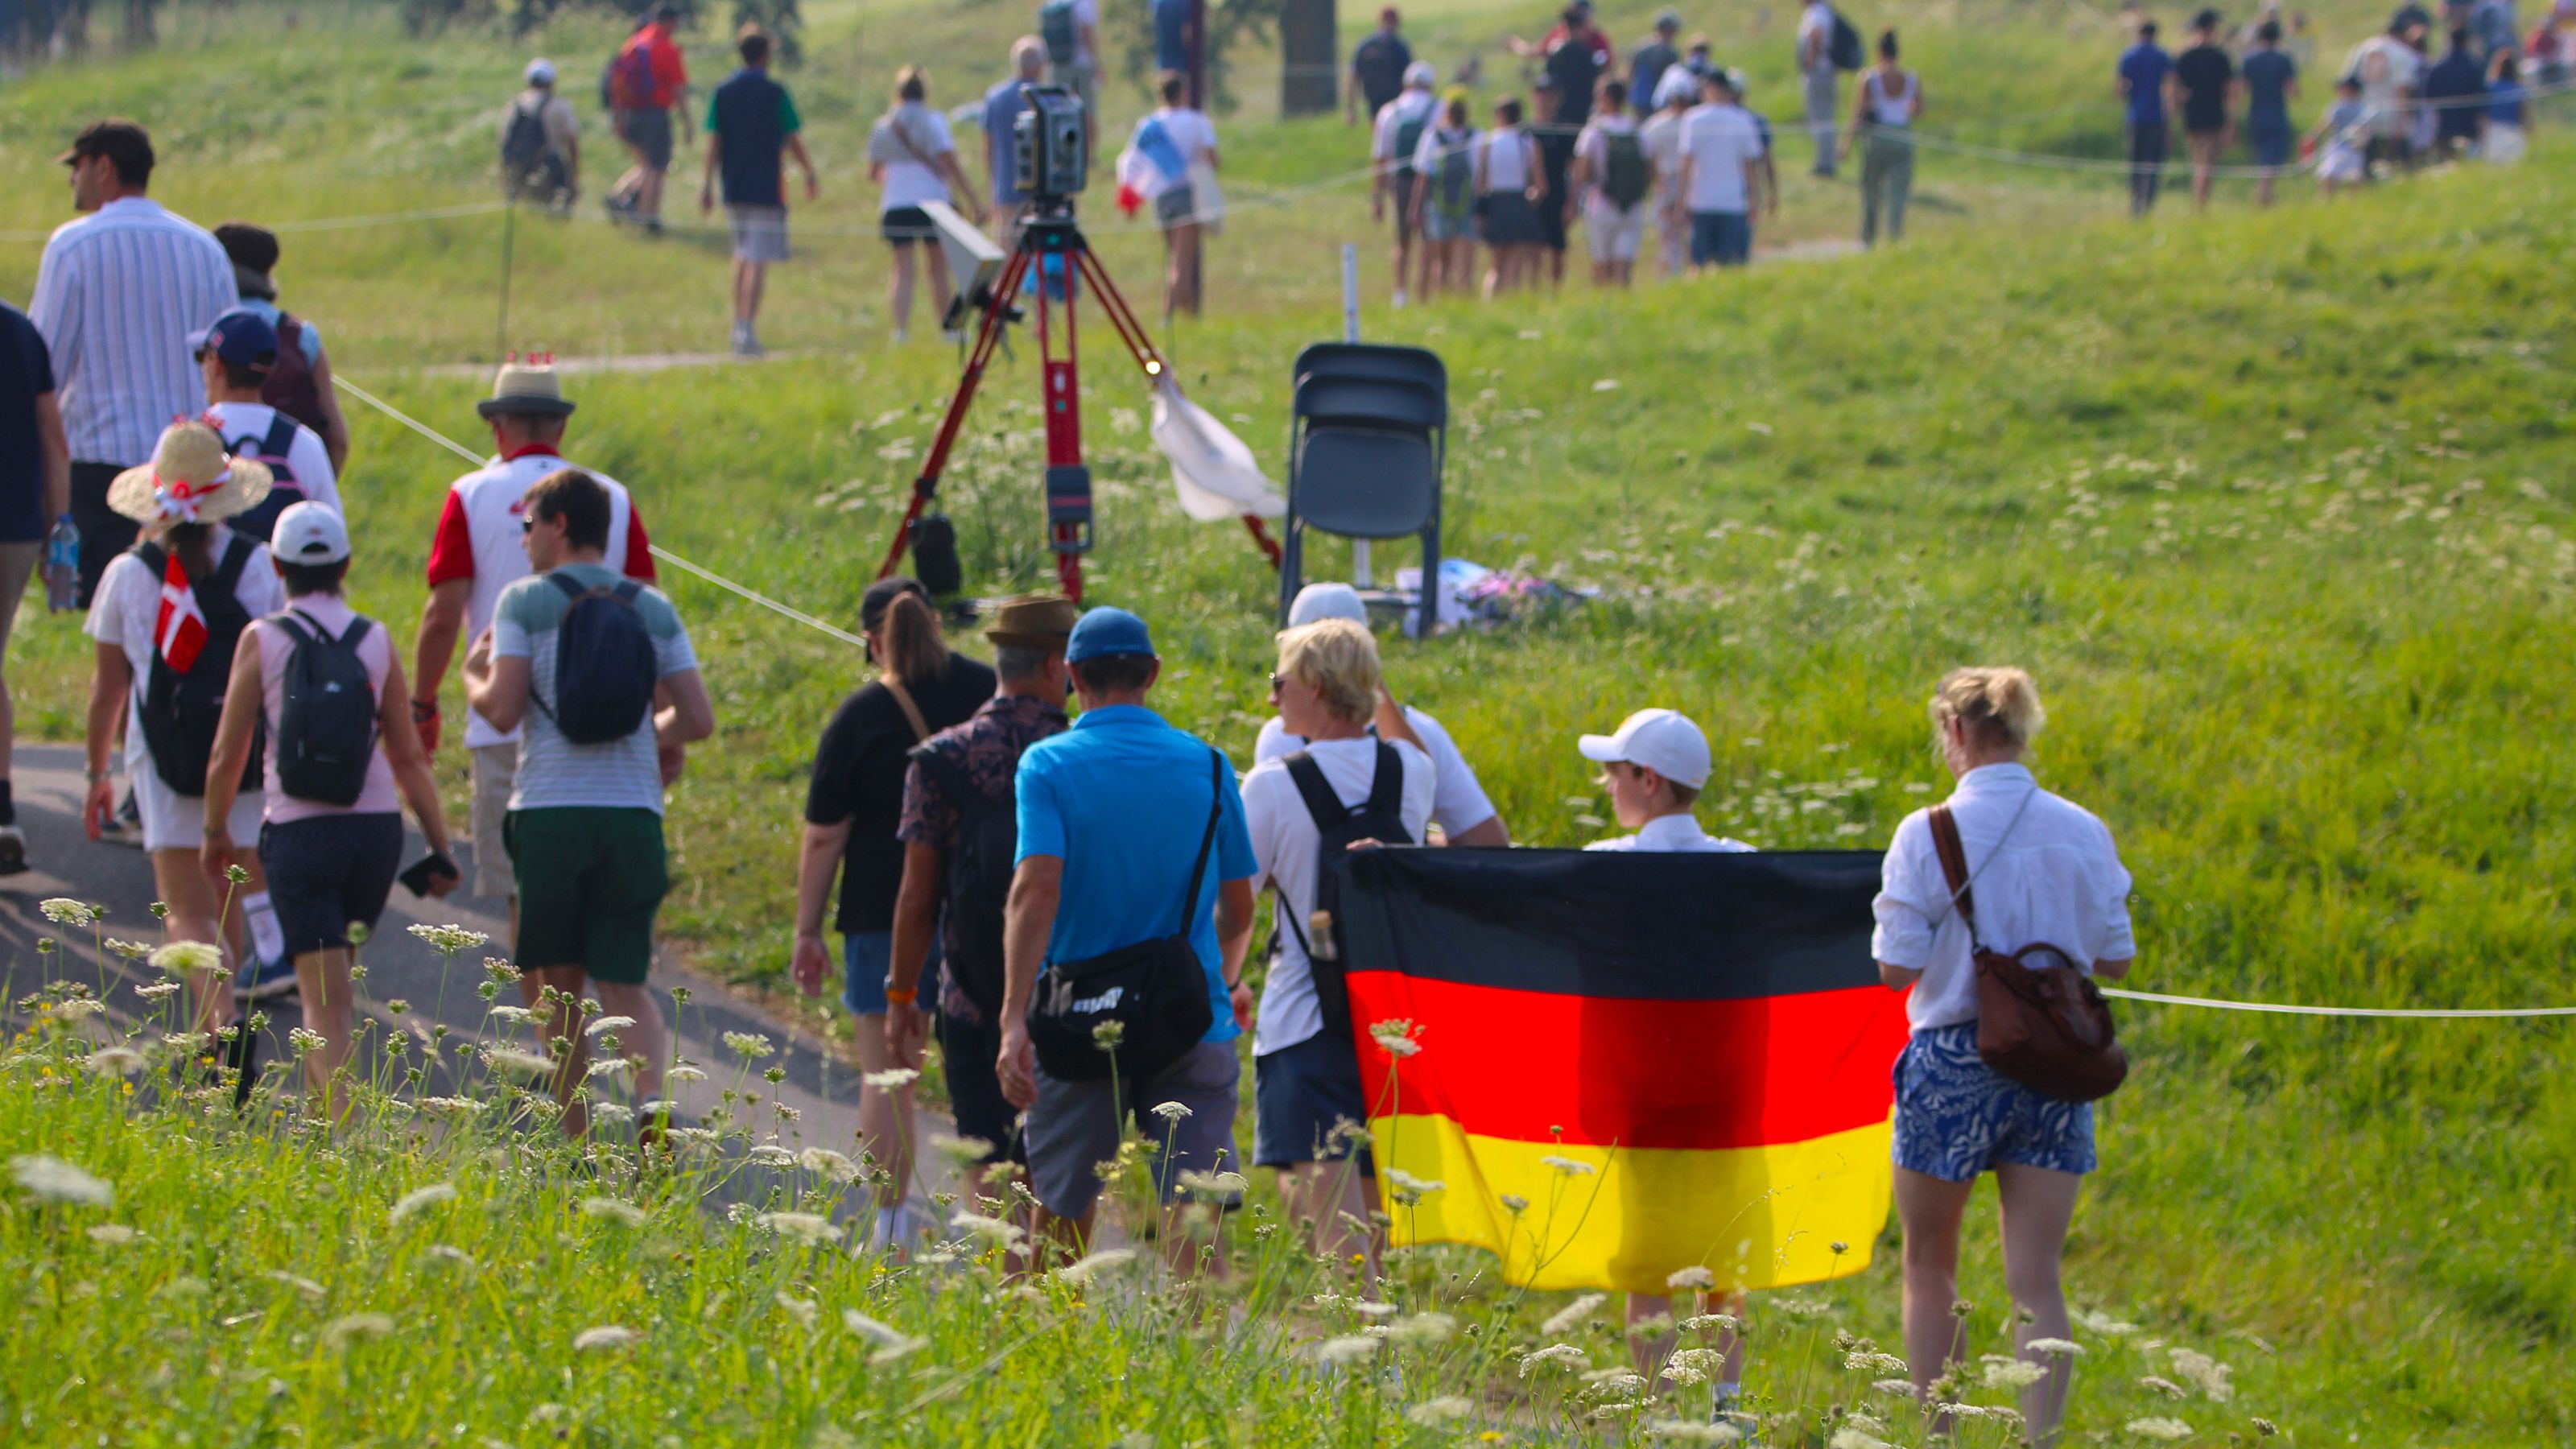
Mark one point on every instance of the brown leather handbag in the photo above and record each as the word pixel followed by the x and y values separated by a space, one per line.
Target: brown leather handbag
pixel 2045 1026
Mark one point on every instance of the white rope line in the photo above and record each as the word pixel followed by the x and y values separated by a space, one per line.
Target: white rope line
pixel 335 223
pixel 2285 1009
pixel 659 552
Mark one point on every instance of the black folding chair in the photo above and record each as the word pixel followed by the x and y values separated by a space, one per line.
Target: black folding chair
pixel 1367 434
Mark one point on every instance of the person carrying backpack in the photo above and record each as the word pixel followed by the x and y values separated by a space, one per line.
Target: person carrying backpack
pixel 597 669
pixel 167 616
pixel 1444 201
pixel 320 681
pixel 645 83
pixel 238 353
pixel 1827 46
pixel 1398 134
pixel 1613 177
pixel 541 144
pixel 1346 788
pixel 1070 31
pixel 299 384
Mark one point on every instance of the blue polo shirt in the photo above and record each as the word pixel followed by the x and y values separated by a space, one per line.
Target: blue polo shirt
pixel 1122 799
pixel 1002 107
pixel 2145 67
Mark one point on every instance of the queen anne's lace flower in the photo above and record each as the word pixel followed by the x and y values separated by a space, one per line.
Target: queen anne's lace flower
pixel 50 1179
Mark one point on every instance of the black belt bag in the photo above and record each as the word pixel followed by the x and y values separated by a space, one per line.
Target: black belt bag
pixel 1155 991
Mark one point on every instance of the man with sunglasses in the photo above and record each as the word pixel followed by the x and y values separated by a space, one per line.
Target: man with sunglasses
pixel 476 554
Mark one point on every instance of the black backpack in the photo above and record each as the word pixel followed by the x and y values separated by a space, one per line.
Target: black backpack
pixel 1380 817
pixel 1626 175
pixel 524 144
pixel 327 713
pixel 1844 48
pixel 273 449
pixel 604 665
pixel 1408 139
pixel 180 711
pixel 979 863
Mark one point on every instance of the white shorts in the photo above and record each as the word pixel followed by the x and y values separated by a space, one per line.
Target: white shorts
pixel 2342 163
pixel 1612 234
pixel 172 821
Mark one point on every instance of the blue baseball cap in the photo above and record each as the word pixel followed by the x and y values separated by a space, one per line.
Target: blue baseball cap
pixel 1103 632
pixel 240 336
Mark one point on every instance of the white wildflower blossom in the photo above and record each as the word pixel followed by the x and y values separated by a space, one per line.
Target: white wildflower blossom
pixel 2157 1383
pixel 1091 1265
pixel 1172 1111
pixel 1801 1307
pixel 601 1024
pixel 691 1137
pixel 1874 1363
pixel 809 1228
pixel 305 1286
pixel 1215 1184
pixel 155 990
pixel 2157 1427
pixel 961 1150
pixel 770 1154
pixel 608 1067
pixel 612 1114
pixel 1420 1186
pixel 77 1008
pixel 1559 1353
pixel 685 1073
pixel 2013 1375
pixel 422 1197
pixel 339 1331
pixel 63 911
pixel 1851 1438
pixel 181 957
pixel 1615 1380
pixel 803 1310
pixel 1894 1388
pixel 1396 1036
pixel 604 1338
pixel 751 1046
pixel 122 1061
pixel 1569 1166
pixel 2065 1346
pixel 2203 1373
pixel 1347 1348
pixel 451 1106
pixel 513 1015
pixel 50 1179
pixel 110 1235
pixel 128 950
pixel 2101 1323
pixel 1422 1330
pixel 1693 1276
pixel 1684 1431
pixel 1682 1377
pixel 1447 1409
pixel 831 1166
pixel 1000 1232
pixel 1711 1322
pixel 305 1039
pixel 615 1209
pixel 1371 1307
pixel 449 940
pixel 516 1063
pixel 1514 1203
pixel 892 1080
pixel 1565 1319
pixel 891 1343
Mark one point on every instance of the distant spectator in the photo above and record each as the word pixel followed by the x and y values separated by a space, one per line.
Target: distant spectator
pixel 1576 55
pixel 1003 105
pixel 2202 78
pixel 1168 143
pixel 237 354
pixel 1510 188
pixel 2456 89
pixel 1767 197
pixel 1397 135
pixel 1820 82
pixel 2271 83
pixel 2391 73
pixel 1459 806
pixel 2493 29
pixel 1070 30
pixel 1616 185
pixel 2144 72
pixel 330 860
pixel 1112 814
pixel 1174 43
pixel 1555 141
pixel 647 83
pixel 1647 64
pixel 300 385
pixel 116 295
pixel 751 122
pixel 853 805
pixel 1662 133
pixel 585 821
pixel 1443 202
pixel 1378 66
pixel 2508 114
pixel 1890 98
pixel 2343 139
pixel 1721 177
pixel 35 494
pixel 1697 60
pixel 2549 47
pixel 541 143
pixel 911 151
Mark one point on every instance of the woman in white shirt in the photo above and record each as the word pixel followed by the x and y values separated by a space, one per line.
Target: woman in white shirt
pixel 1168 144
pixel 1890 98
pixel 2043 870
pixel 1609 154
pixel 911 152
pixel 1675 94
pixel 1510 188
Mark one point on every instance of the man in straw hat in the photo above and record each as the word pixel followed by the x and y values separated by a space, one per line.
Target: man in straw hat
pixel 166 616
pixel 959 834
pixel 475 555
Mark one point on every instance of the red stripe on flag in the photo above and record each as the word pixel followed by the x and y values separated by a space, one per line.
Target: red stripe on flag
pixel 179 628
pixel 1529 1066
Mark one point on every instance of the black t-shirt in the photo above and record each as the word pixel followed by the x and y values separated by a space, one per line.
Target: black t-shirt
pixel 1575 66
pixel 858 777
pixel 2203 73
pixel 26 373
pixel 1380 62
pixel 1555 162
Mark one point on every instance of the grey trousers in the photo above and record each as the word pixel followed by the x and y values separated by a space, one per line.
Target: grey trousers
pixel 1821 86
pixel 1886 177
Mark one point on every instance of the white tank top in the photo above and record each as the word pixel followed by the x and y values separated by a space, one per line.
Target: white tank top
pixel 1886 110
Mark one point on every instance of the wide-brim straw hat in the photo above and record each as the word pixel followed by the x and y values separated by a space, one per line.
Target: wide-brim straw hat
pixel 1034 621
pixel 191 479
pixel 532 388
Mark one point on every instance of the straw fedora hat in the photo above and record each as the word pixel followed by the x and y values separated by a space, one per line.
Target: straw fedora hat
pixel 1034 621
pixel 529 386
pixel 189 480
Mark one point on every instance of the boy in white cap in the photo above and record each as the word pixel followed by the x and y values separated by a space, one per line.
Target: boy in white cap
pixel 541 142
pixel 1397 137
pixel 1655 765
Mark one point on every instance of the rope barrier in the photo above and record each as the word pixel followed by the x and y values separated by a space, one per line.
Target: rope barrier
pixel 659 552
pixel 2402 1012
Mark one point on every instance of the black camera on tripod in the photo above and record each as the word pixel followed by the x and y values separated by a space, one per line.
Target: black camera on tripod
pixel 1048 153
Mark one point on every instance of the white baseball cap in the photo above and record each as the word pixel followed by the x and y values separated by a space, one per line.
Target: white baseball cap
pixel 1663 740
pixel 1421 74
pixel 309 533
pixel 1326 601
pixel 541 72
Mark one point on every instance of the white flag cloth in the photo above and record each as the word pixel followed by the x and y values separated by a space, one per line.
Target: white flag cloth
pixel 1212 471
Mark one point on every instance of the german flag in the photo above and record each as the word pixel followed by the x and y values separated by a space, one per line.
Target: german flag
pixel 1671 1060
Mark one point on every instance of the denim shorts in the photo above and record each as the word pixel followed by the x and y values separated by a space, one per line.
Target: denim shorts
pixel 1957 1117
pixel 865 957
pixel 1300 1094
pixel 1721 238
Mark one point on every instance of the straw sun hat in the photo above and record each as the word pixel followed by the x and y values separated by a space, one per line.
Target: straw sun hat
pixel 189 480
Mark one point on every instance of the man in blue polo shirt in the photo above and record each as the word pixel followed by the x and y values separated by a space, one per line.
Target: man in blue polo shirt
pixel 2146 72
pixel 1111 815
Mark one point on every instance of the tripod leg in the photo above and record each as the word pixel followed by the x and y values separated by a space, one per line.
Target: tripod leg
pixel 987 337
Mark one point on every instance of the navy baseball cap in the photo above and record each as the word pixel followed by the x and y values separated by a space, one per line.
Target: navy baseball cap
pixel 240 336
pixel 1103 632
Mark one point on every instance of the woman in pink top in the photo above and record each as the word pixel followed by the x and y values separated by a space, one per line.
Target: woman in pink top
pixel 331 835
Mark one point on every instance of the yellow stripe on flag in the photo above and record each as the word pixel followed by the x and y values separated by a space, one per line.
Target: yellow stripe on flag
pixel 1757 1217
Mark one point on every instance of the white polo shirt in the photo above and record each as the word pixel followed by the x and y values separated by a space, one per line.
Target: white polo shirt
pixel 1675 835
pixel 479 539
pixel 1458 802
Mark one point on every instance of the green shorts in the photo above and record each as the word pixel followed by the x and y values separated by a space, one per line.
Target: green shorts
pixel 590 879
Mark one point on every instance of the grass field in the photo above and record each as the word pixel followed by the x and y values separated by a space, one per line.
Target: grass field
pixel 2277 508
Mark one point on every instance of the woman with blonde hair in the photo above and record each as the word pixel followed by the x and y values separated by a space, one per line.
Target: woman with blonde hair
pixel 2036 868
pixel 913 155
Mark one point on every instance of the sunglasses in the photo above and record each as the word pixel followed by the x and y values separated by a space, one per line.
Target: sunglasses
pixel 1277 681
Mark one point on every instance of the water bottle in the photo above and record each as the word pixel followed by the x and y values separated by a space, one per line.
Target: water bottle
pixel 62 565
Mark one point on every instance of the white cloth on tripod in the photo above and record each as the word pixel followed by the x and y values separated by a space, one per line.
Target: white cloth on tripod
pixel 1212 471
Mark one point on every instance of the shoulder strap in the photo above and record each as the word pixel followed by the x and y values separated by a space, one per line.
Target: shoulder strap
pixel 1207 839
pixel 626 590
pixel 894 123
pixel 281 436
pixel 911 711
pixel 286 619
pixel 1954 864
pixel 153 558
pixel 572 588
pixel 237 551
pixel 1321 803
pixel 1386 787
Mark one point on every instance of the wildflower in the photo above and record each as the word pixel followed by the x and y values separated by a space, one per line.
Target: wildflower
pixel 770 1154
pixel 1874 1363
pixel 2164 1386
pixel 421 1197
pixel 2013 1375
pixel 605 1336
pixel 1108 1034
pixel 1564 1353
pixel 1683 1431
pixel 305 1286
pixel 2203 1373
pixel 237 874
pixel 1514 1203
pixel 518 1063
pixel 2263 1428
pixel 50 1179
pixel 894 1080
pixel 807 1228
pixel 614 1114
pixel 825 1163
pixel 1708 1322
pixel 691 1136
pixel 1684 1376
pixel 1092 1265
pixel 449 940
pixel 751 1046
pixel 2102 1323
pixel 305 1039
pixel 2159 1428
pixel 122 1060
pixel 1000 1232
pixel 1397 1037
pixel 891 1343
pixel 1447 1409
pixel 1893 1388
pixel 128 950
pixel 607 1023
pixel 1215 1184
pixel 1572 1314
pixel 1172 1111
pixel 961 1150
pixel 1346 1348
pixel 616 1209
pixel 685 1073
pixel 1693 1276
pixel 499 970
pixel 2053 1345
pixel 356 1325
pixel 608 1066
pixel 180 957
pixel 66 912
pixel 1569 1166
pixel 1855 1439
pixel 111 1235
pixel 154 991
pixel 1419 1186
pixel 451 1106
pixel 1698 1361
pixel 1422 1330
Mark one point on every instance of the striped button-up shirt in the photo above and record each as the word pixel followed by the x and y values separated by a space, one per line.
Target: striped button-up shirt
pixel 116 296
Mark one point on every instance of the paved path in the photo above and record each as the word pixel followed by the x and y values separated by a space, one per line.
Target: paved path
pixel 400 967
